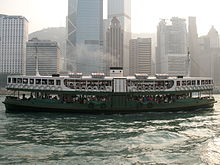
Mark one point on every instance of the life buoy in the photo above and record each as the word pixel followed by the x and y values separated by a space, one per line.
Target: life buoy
pixel 139 89
pixel 102 88
pixel 146 88
pixel 134 89
pixel 108 89
pixel 95 88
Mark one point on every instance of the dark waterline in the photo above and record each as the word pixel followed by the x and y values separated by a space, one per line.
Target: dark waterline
pixel 146 138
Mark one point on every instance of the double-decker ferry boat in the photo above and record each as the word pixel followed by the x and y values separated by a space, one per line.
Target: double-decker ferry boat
pixel 98 93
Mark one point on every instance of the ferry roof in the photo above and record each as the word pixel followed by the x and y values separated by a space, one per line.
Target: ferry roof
pixel 111 78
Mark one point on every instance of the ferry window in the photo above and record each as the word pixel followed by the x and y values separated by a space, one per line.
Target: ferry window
pixel 31 81
pixel 198 82
pixel 19 80
pixel 210 82
pixel 25 81
pixel 51 82
pixel 38 81
pixel 178 83
pixel 193 82
pixel 14 80
pixel 189 82
pixel 207 82
pixel 58 82
pixel 183 83
pixel 203 82
pixel 9 80
pixel 44 81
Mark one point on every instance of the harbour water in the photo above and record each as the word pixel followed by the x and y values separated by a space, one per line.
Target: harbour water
pixel 146 138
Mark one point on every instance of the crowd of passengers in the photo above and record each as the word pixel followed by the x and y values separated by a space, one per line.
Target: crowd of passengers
pixel 80 99
pixel 159 98
pixel 66 98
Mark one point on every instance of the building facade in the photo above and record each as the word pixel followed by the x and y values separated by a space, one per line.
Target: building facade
pixel 84 36
pixel 122 10
pixel 209 59
pixel 114 42
pixel 45 54
pixel 140 56
pixel 13 38
pixel 172 43
pixel 213 38
pixel 193 47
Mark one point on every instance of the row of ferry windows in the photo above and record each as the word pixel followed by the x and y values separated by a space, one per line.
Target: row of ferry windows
pixel 33 81
pixel 194 82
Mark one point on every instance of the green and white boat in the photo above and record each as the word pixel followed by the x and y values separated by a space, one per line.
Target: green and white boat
pixel 98 93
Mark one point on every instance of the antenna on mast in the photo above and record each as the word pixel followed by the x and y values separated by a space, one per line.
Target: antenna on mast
pixel 188 63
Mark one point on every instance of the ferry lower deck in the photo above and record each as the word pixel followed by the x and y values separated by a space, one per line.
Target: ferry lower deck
pixel 107 103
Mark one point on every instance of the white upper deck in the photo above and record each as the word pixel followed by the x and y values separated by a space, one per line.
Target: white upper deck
pixel 100 83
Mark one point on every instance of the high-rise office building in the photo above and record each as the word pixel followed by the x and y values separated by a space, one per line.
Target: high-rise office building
pixel 210 55
pixel 114 44
pixel 140 56
pixel 193 47
pixel 122 10
pixel 84 36
pixel 172 56
pixel 45 54
pixel 13 37
pixel 213 38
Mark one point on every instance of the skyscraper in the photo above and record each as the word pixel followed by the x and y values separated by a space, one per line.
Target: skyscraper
pixel 122 10
pixel 48 56
pixel 213 38
pixel 193 47
pixel 209 59
pixel 13 37
pixel 85 35
pixel 140 56
pixel 172 55
pixel 114 48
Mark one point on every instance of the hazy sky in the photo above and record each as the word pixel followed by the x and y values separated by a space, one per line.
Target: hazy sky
pixel 145 13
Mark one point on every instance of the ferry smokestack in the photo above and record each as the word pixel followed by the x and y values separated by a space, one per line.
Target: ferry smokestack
pixel 116 72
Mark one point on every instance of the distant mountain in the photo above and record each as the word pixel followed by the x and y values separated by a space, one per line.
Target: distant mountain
pixel 54 34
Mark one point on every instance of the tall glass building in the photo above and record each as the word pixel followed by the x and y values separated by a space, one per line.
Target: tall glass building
pixel 172 57
pixel 85 35
pixel 121 9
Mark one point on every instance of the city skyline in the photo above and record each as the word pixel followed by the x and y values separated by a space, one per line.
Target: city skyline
pixel 39 17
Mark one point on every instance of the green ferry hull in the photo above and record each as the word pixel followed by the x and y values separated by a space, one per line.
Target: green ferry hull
pixel 42 105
